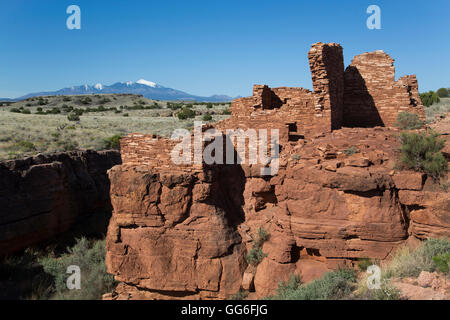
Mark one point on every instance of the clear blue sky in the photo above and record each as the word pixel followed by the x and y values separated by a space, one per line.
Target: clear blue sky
pixel 210 47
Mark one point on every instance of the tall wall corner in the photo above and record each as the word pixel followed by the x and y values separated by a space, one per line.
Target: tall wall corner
pixel 326 62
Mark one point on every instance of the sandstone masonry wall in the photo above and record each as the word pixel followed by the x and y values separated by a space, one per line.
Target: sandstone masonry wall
pixel 372 96
pixel 327 69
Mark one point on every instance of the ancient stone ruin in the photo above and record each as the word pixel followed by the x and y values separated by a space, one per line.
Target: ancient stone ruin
pixel 183 231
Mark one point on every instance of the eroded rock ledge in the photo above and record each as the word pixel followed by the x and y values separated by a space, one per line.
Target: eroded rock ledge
pixel 43 196
pixel 185 235
pixel 182 231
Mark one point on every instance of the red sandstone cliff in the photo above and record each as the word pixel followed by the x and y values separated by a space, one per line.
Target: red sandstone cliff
pixel 183 231
pixel 43 196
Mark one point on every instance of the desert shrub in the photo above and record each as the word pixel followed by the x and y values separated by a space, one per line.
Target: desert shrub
pixel 226 112
pixel 73 117
pixel 209 105
pixel 26 111
pixel 54 110
pixel 332 286
pixel 78 112
pixel 15 110
pixel 408 121
pixel 67 108
pixel 351 150
pixel 42 101
pixel 256 255
pixel 240 295
pixel 66 99
pixel 90 257
pixel 112 142
pixel 125 114
pixel 25 146
pixel 174 106
pixel 67 145
pixel 408 262
pixel 442 262
pixel 186 113
pixel 285 289
pixel 86 100
pixel 263 236
pixel 364 263
pixel 207 117
pixel 442 92
pixel 422 152
pixel 295 157
pixel 429 98
pixel 39 109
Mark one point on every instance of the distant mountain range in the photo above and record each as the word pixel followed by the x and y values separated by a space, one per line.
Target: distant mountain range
pixel 143 87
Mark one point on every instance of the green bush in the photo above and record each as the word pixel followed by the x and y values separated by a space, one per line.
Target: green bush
pixel 334 285
pixel 285 289
pixel 408 121
pixel 209 105
pixel 256 255
pixel 186 113
pixel 429 98
pixel 26 111
pixel 112 142
pixel 90 257
pixel 442 262
pixel 174 106
pixel 66 99
pixel 73 117
pixel 240 295
pixel 25 146
pixel 422 152
pixel 207 117
pixel 15 110
pixel 86 100
pixel 42 101
pixel 364 263
pixel 125 114
pixel 442 92
pixel 226 112
pixel 350 151
pixel 54 110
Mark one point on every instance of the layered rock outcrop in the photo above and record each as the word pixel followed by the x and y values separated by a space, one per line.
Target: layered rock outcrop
pixel 43 196
pixel 183 231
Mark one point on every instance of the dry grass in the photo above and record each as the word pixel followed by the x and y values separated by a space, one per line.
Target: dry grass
pixel 28 134
pixel 436 110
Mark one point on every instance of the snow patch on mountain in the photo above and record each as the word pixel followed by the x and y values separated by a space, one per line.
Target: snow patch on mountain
pixel 146 83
